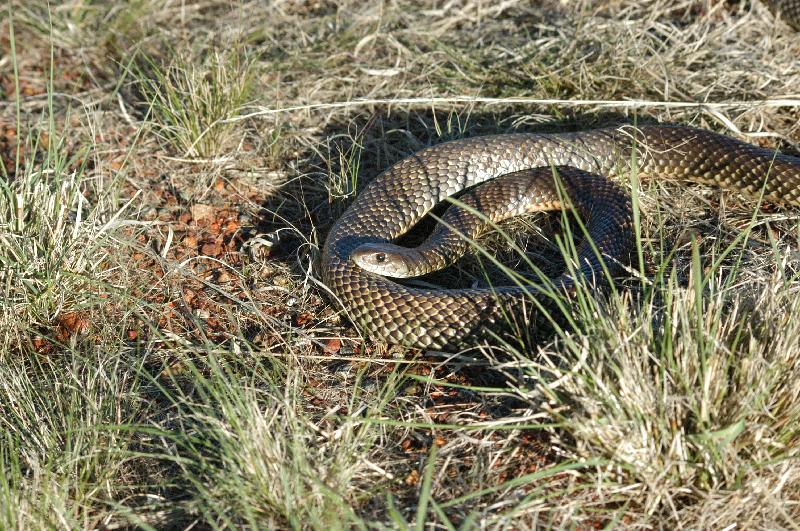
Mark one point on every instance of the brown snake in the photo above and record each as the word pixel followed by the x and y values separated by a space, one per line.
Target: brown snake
pixel 399 197
pixel 522 167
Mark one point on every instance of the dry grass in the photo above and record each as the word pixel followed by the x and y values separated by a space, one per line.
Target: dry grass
pixel 168 359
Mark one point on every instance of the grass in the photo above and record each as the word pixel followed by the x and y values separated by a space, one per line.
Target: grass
pixel 686 393
pixel 248 442
pixel 191 100
pixel 169 360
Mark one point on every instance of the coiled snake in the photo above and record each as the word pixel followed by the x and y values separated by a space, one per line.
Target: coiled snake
pixel 399 197
pixel 528 171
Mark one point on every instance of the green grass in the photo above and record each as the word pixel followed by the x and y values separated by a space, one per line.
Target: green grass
pixel 190 99
pixel 66 438
pixel 162 371
pixel 248 454
pixel 685 391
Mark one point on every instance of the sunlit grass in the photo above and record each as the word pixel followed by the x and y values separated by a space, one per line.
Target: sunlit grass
pixel 189 99
pixel 685 389
pixel 65 437
pixel 249 455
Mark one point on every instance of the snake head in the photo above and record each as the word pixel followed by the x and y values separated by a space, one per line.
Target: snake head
pixel 385 259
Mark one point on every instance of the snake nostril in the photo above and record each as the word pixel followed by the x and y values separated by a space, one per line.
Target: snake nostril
pixel 380 257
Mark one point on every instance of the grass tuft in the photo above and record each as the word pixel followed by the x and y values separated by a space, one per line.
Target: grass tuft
pixel 687 390
pixel 189 100
pixel 55 240
pixel 250 456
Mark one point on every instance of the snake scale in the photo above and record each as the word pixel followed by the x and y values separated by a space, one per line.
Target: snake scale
pixel 789 10
pixel 528 172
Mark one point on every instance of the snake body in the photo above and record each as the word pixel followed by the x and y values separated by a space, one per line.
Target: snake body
pixel 398 198
pixel 789 10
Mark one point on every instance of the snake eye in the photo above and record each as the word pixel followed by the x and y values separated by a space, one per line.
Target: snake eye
pixel 380 257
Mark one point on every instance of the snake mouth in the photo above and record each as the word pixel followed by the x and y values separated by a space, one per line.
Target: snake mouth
pixel 385 259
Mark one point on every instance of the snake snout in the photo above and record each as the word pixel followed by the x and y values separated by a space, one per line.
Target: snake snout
pixel 384 259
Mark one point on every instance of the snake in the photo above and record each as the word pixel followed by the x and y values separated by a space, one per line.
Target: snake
pixel 524 172
pixel 570 167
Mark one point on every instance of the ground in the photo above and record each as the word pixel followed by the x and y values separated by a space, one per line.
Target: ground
pixel 170 359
